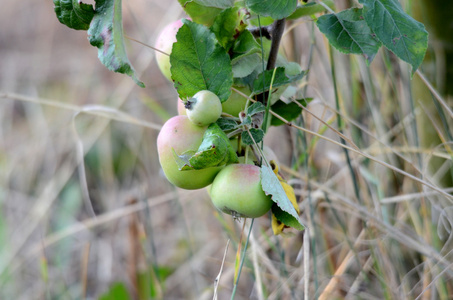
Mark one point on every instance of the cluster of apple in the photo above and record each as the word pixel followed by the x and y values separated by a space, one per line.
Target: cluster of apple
pixel 235 188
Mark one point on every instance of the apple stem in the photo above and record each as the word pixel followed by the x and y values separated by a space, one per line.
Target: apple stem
pixel 189 103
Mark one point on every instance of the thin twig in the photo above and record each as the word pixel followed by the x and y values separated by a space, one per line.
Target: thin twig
pixel 146 45
pixel 358 151
pixel 435 93
pixel 242 259
pixel 217 279
pixel 96 110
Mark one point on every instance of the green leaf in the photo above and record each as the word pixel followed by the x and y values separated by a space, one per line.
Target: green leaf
pixel 106 33
pixel 257 134
pixel 151 282
pixel 271 186
pixel 245 65
pixel 215 3
pixel 255 108
pixel 310 8
pixel 286 218
pixel 74 14
pixel 244 45
pixel 198 63
pixel 246 56
pixel 280 79
pixel 226 124
pixel 228 25
pixel 398 31
pixel 349 33
pixel 289 111
pixel 263 21
pixel 246 121
pixel 204 12
pixel 117 291
pixel 215 150
pixel 276 9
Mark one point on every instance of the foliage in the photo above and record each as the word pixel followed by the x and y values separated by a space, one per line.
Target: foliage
pixel 212 58
pixel 219 49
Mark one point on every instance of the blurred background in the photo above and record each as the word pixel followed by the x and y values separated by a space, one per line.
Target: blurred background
pixel 86 213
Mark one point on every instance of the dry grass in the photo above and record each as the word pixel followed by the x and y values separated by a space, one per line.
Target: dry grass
pixel 83 203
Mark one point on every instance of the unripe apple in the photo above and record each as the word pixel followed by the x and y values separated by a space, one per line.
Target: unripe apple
pixel 203 108
pixel 181 108
pixel 180 134
pixel 236 102
pixel 249 160
pixel 237 191
pixel 164 43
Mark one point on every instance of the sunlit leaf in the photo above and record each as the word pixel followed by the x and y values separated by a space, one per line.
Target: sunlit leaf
pixel 203 11
pixel 310 8
pixel 199 62
pixel 276 9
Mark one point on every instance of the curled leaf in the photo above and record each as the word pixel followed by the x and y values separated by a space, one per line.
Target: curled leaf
pixel 106 33
pixel 74 14
pixel 215 150
pixel 281 219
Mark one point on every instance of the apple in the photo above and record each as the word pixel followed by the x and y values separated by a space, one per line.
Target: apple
pixel 180 134
pixel 236 102
pixel 181 108
pixel 236 190
pixel 249 160
pixel 203 108
pixel 164 43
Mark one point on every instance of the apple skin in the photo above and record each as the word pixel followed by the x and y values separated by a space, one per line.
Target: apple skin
pixel 165 43
pixel 181 108
pixel 232 106
pixel 237 191
pixel 205 108
pixel 180 134
pixel 235 103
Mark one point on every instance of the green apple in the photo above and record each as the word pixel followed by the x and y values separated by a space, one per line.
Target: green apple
pixel 165 43
pixel 181 108
pixel 236 102
pixel 203 108
pixel 181 135
pixel 236 190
